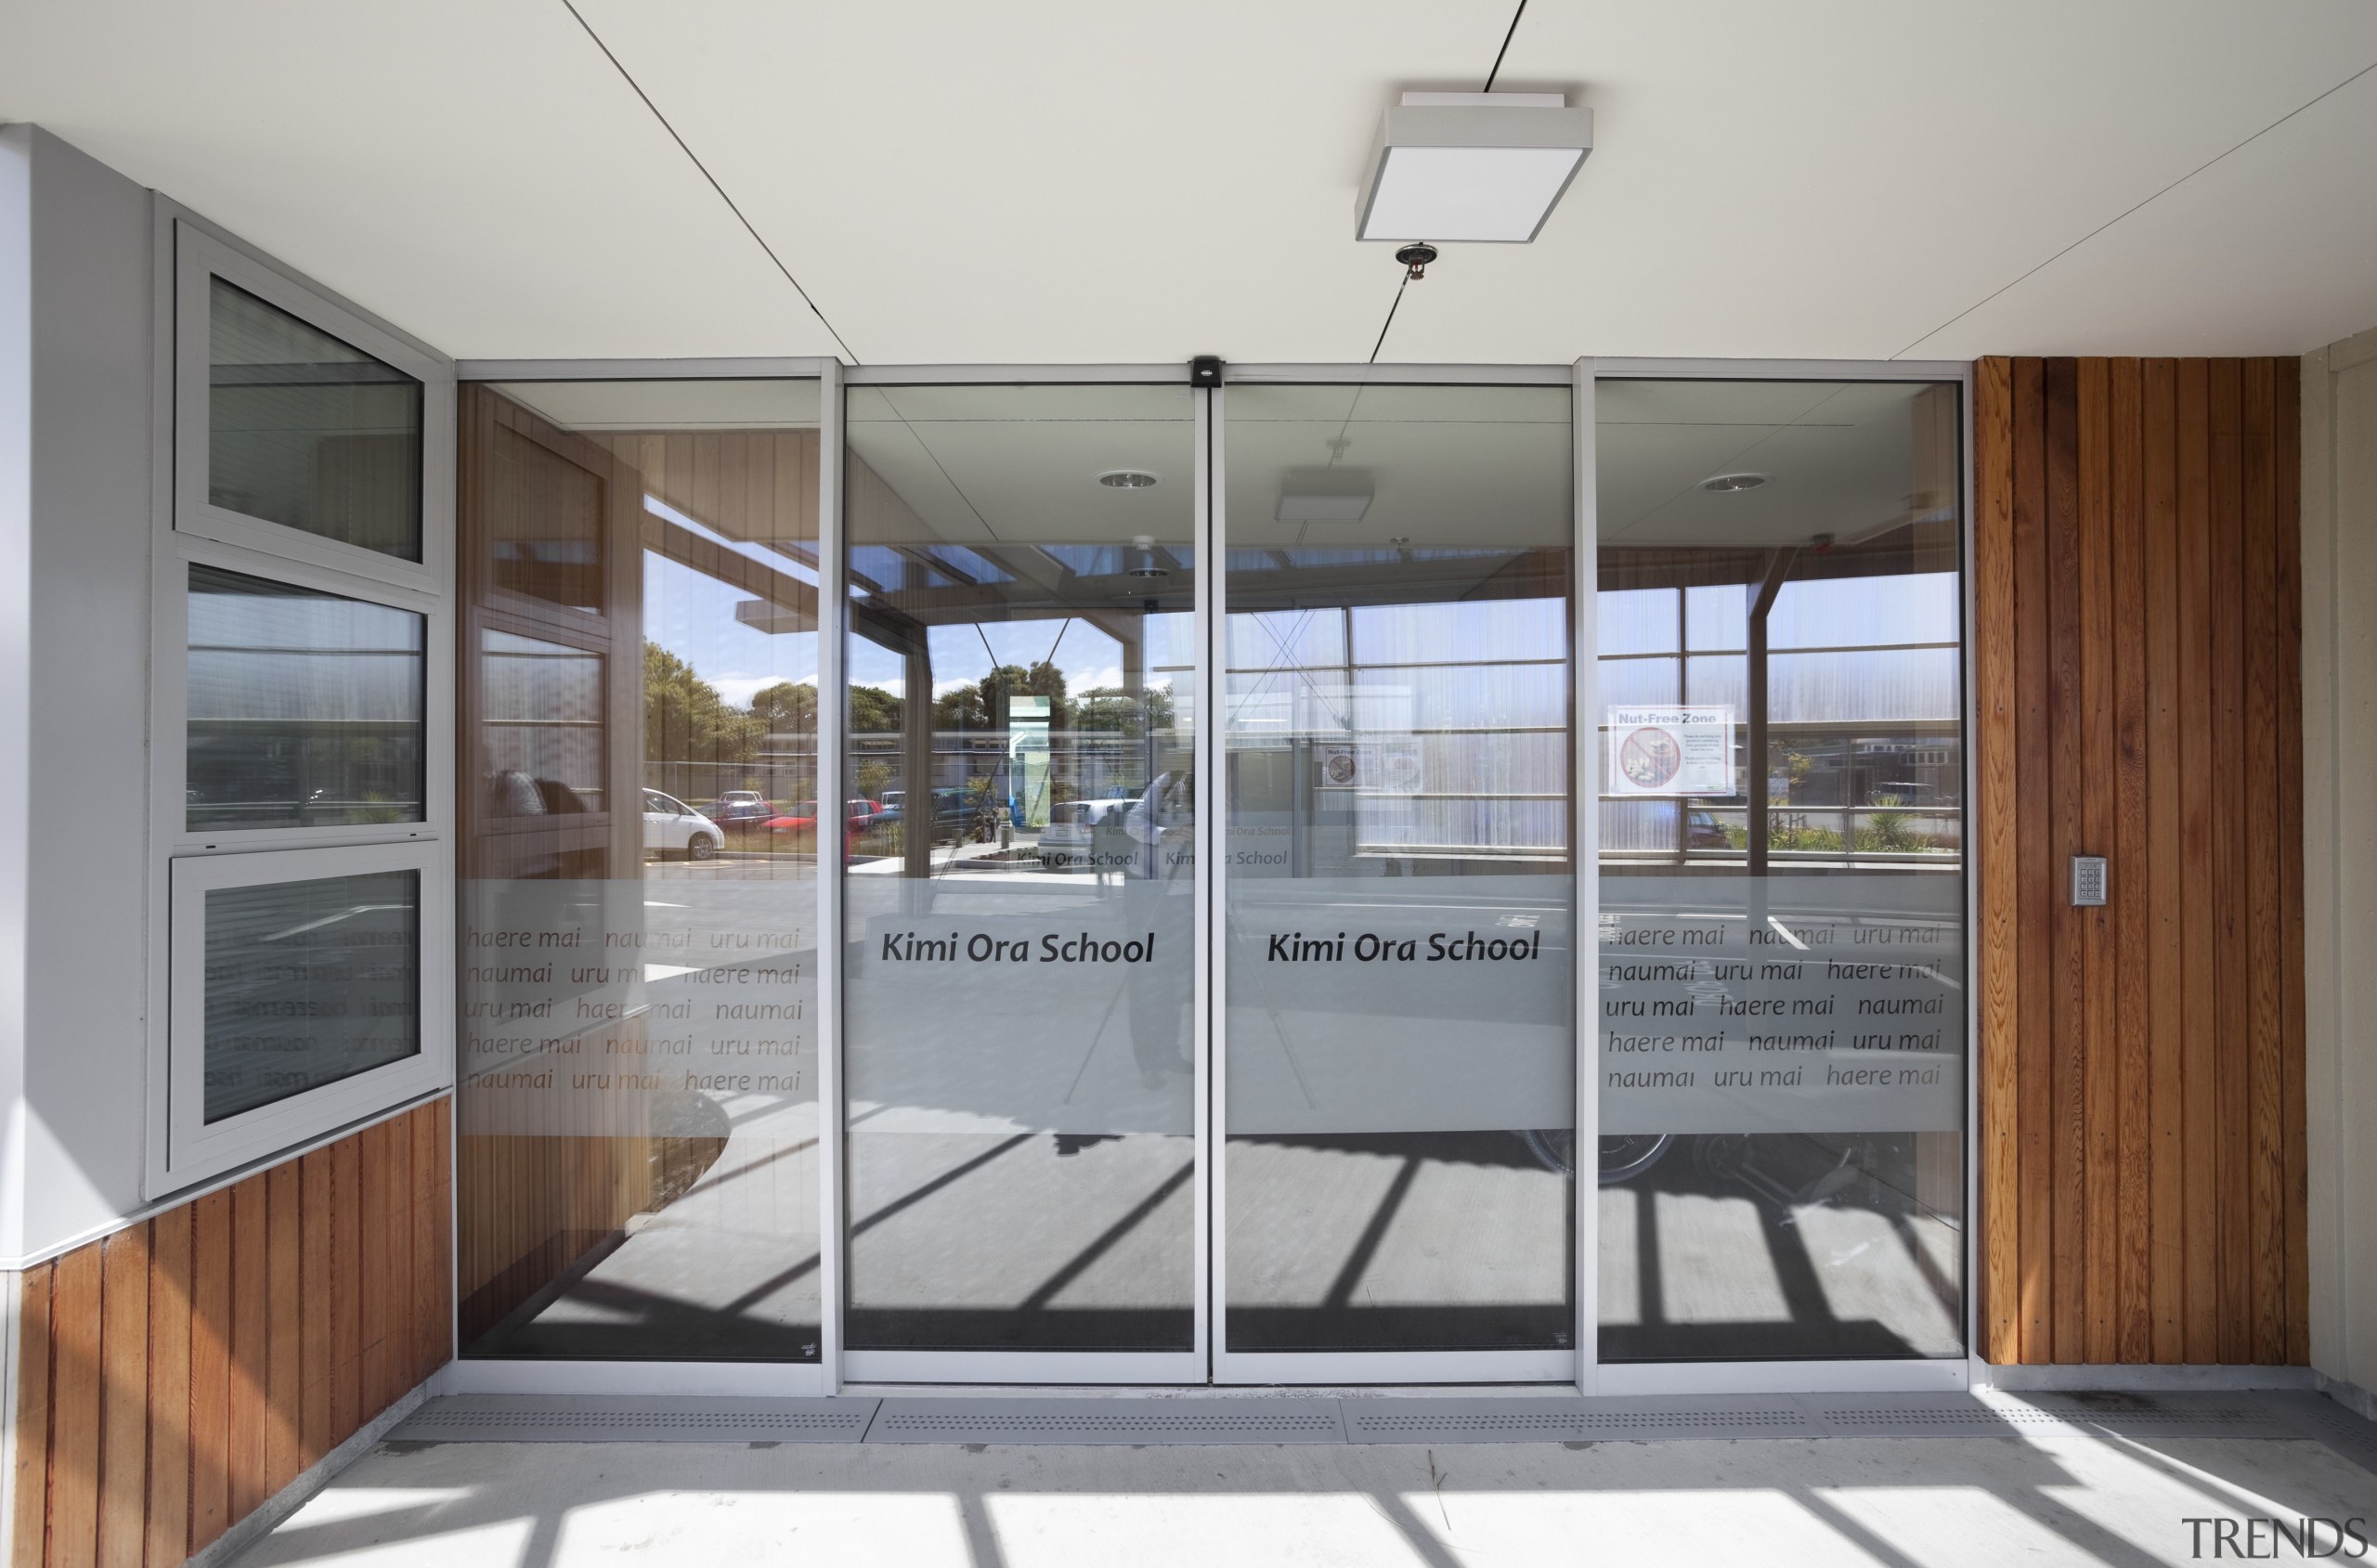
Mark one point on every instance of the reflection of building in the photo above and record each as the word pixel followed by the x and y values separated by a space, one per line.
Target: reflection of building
pixel 1864 760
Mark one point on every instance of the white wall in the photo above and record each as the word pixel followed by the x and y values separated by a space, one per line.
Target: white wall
pixel 2340 853
pixel 75 522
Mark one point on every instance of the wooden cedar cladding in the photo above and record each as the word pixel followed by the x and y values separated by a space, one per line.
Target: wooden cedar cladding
pixel 2137 594
pixel 178 1373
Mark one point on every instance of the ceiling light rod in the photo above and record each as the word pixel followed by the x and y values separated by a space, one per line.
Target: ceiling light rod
pixel 1485 167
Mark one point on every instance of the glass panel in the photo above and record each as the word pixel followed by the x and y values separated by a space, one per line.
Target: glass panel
pixel 307 433
pixel 1400 1023
pixel 548 511
pixel 542 729
pixel 309 984
pixel 1782 1037
pixel 304 707
pixel 1020 838
pixel 638 1104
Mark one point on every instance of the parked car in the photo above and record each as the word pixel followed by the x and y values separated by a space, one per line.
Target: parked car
pixel 672 827
pixel 1702 831
pixel 742 810
pixel 1072 835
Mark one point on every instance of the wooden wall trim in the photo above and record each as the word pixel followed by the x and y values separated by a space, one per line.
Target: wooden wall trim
pixel 177 1373
pixel 2137 660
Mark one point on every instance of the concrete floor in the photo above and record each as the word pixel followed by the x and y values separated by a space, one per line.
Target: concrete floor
pixel 2055 1494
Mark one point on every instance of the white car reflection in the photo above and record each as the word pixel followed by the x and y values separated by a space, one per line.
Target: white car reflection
pixel 672 827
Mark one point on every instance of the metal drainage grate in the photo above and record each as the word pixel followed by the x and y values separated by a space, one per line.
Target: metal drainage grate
pixel 1545 1420
pixel 744 1421
pixel 1106 1421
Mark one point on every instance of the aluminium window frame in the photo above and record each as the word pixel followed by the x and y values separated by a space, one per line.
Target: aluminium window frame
pixel 204 1148
pixel 1897 1374
pixel 200 256
pixel 187 251
pixel 528 618
pixel 169 731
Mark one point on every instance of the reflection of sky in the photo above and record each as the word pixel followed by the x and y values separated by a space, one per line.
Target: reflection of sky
pixel 692 615
pixel 965 652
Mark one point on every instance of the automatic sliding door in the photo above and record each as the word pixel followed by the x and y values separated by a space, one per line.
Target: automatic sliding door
pixel 1019 833
pixel 1400 883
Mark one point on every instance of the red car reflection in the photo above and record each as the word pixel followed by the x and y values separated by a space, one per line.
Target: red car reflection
pixel 800 822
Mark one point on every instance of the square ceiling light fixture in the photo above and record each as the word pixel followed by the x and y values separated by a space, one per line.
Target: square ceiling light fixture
pixel 1324 495
pixel 1472 166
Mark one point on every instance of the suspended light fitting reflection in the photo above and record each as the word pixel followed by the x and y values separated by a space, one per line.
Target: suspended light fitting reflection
pixel 1147 566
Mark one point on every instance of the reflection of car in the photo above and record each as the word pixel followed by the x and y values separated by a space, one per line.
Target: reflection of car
pixel 740 809
pixel 952 817
pixel 1701 832
pixel 672 827
pixel 1071 834
pixel 801 820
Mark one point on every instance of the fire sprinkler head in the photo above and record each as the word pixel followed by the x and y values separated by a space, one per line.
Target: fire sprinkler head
pixel 1415 258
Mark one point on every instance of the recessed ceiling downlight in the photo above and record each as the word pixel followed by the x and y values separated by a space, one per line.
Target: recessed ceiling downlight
pixel 1727 484
pixel 1127 479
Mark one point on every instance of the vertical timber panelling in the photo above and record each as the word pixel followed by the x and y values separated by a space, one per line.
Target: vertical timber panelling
pixel 179 1372
pixel 2137 653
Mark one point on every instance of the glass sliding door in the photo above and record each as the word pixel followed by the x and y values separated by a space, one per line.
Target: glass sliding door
pixel 1400 883
pixel 1781 1080
pixel 1017 828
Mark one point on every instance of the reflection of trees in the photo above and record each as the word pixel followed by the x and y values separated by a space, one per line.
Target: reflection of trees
pixel 786 707
pixel 983 705
pixel 873 710
pixel 685 718
pixel 1112 709
pixel 790 707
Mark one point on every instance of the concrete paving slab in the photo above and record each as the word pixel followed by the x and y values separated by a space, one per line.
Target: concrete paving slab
pixel 2053 1495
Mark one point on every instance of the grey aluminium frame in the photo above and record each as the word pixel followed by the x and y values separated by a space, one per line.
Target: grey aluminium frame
pixel 199 256
pixel 185 252
pixel 726 1379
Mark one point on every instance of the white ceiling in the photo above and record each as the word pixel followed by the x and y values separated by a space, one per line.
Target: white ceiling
pixel 1076 181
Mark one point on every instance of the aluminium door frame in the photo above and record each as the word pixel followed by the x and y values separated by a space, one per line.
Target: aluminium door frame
pixel 1183 1368
pixel 1208 1362
pixel 1340 1368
